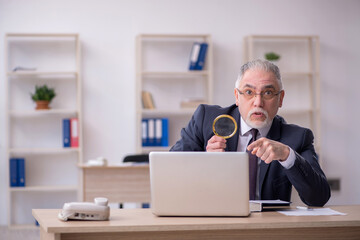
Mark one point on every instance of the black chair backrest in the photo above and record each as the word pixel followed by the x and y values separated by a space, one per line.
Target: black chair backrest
pixel 138 158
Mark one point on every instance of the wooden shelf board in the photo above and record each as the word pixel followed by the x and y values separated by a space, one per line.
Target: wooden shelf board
pixel 174 74
pixel 173 36
pixel 283 36
pixel 42 35
pixel 44 189
pixel 296 111
pixel 34 113
pixel 157 112
pixel 23 74
pixel 42 150
pixel 296 74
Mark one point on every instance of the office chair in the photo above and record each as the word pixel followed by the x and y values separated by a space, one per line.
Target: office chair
pixel 137 158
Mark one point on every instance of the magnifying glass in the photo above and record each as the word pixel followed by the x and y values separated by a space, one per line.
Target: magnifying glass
pixel 224 126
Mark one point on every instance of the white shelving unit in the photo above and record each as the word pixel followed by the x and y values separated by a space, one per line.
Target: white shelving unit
pixel 162 63
pixel 299 66
pixel 51 173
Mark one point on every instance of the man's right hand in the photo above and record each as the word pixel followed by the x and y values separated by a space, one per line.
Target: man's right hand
pixel 216 144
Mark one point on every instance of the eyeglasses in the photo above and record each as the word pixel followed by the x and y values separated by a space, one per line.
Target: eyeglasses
pixel 266 94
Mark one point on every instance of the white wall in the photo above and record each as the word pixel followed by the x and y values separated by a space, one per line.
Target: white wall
pixel 108 28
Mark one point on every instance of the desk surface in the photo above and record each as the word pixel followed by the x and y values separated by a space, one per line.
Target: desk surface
pixel 130 220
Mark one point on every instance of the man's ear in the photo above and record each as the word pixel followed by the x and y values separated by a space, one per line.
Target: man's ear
pixel 282 95
pixel 236 97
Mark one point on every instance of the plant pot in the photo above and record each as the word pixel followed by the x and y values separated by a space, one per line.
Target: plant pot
pixel 41 105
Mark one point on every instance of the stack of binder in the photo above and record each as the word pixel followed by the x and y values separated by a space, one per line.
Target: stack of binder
pixel 155 132
pixel 71 132
pixel 17 172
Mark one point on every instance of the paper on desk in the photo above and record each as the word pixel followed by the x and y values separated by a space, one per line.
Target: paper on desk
pixel 311 212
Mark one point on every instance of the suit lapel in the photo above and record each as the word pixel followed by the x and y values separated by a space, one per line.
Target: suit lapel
pixel 273 134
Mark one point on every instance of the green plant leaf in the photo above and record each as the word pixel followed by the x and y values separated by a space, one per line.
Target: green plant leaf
pixel 271 56
pixel 43 93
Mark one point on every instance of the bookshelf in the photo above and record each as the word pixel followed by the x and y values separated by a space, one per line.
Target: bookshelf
pixel 299 66
pixel 162 63
pixel 51 173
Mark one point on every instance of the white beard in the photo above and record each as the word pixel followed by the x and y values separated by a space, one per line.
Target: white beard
pixel 258 125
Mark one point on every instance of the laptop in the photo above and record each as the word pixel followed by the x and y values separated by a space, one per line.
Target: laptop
pixel 199 183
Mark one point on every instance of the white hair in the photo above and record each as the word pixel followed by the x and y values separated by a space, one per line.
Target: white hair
pixel 261 65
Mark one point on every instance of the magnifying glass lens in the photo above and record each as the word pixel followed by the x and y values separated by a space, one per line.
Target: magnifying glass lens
pixel 224 126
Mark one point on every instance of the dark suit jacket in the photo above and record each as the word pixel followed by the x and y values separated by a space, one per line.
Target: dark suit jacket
pixel 275 182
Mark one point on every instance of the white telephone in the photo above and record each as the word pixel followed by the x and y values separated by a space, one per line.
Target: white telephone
pixel 98 210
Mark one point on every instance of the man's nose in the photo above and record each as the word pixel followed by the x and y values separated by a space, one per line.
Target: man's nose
pixel 258 100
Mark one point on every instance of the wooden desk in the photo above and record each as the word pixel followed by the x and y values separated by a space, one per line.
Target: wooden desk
pixel 117 183
pixel 142 224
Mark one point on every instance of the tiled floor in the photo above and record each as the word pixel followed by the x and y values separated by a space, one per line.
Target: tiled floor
pixel 19 234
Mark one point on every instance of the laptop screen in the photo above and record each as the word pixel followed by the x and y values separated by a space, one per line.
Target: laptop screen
pixel 199 183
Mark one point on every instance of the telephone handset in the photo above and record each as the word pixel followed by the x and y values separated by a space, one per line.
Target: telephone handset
pixel 98 210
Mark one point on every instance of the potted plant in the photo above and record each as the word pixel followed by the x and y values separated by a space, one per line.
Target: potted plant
pixel 43 96
pixel 272 56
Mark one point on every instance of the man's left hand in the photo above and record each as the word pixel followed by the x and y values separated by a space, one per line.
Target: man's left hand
pixel 269 150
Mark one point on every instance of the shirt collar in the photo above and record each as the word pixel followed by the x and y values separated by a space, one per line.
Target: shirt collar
pixel 246 128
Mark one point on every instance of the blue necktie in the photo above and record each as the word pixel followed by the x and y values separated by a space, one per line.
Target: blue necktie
pixel 253 166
